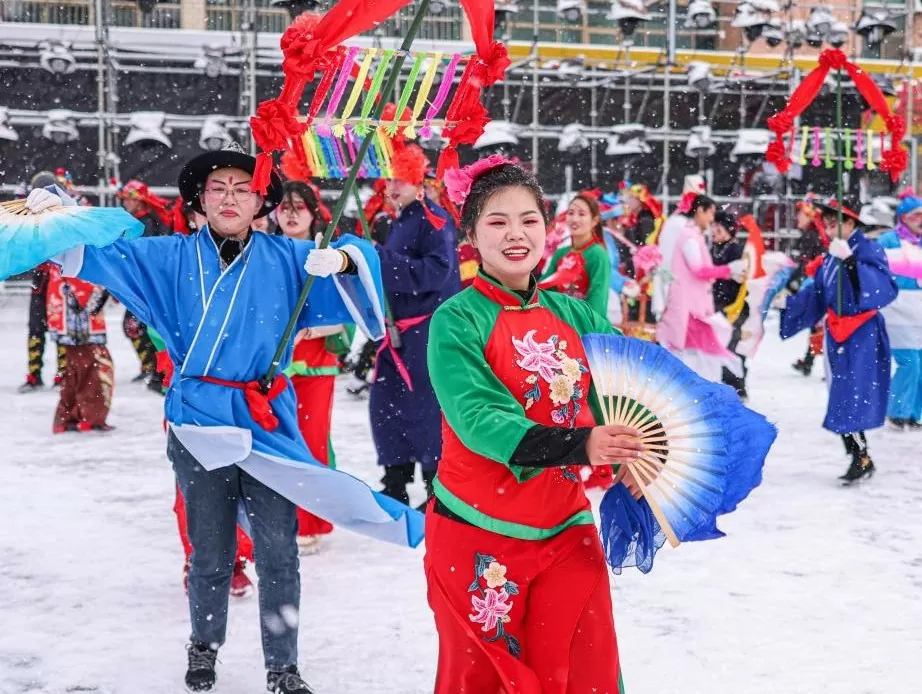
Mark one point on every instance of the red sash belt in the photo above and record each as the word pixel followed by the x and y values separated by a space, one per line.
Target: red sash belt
pixel 402 325
pixel 843 327
pixel 257 401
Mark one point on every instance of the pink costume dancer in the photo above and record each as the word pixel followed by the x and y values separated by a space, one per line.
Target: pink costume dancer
pixel 689 327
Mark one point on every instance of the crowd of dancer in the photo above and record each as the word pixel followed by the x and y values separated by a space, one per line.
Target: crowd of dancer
pixel 474 273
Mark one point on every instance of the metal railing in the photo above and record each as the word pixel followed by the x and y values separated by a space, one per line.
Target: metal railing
pixel 123 13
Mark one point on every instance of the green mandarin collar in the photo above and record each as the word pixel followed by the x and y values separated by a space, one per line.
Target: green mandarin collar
pixel 505 297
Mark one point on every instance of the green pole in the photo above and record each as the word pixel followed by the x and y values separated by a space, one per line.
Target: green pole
pixel 839 193
pixel 388 316
pixel 347 188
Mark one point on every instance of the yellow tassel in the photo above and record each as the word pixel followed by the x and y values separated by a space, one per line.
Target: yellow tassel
pixel 422 96
pixel 339 130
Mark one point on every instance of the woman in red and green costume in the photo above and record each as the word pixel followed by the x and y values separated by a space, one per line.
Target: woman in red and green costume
pixel 516 574
pixel 582 270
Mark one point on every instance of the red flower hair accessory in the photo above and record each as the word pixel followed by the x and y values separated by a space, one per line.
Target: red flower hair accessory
pixel 458 182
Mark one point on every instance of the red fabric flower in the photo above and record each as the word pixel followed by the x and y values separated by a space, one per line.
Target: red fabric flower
pixel 832 59
pixel 777 155
pixel 294 169
pixel 894 162
pixel 273 124
pixel 302 47
pixel 490 69
pixel 781 122
pixel 410 164
pixel 896 126
pixel 469 126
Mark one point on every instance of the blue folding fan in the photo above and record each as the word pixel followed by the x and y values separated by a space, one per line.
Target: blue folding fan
pixel 704 450
pixel 32 233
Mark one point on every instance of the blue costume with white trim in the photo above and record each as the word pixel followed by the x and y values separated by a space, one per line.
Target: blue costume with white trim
pixel 226 325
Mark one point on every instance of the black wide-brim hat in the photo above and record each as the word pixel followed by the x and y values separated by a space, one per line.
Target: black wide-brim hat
pixel 193 175
pixel 848 208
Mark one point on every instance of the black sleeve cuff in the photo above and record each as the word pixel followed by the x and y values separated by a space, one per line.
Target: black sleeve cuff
pixel 351 268
pixel 552 447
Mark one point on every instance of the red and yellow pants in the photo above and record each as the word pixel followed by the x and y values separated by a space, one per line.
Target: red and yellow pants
pixel 520 616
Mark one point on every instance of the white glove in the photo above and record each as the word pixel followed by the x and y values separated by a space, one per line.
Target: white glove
pixel 737 270
pixel 631 289
pixel 323 262
pixel 40 200
pixel 840 249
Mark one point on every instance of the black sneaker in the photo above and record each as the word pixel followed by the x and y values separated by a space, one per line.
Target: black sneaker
pixel 201 677
pixel 896 423
pixel 862 466
pixel 913 425
pixel 33 383
pixel 288 681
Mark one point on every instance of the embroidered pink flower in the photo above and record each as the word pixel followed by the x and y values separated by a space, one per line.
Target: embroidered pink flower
pixel 537 356
pixel 491 609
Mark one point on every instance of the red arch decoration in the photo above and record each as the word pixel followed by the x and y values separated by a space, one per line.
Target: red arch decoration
pixel 894 160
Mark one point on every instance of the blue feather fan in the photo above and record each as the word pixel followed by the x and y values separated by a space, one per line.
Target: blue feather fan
pixel 704 450
pixel 28 238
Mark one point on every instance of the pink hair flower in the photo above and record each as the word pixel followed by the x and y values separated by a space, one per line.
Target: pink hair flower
pixel 458 182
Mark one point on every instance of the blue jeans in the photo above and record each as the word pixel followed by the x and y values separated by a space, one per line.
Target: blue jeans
pixel 211 513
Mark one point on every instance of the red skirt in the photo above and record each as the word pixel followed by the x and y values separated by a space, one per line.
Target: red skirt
pixel 315 417
pixel 520 616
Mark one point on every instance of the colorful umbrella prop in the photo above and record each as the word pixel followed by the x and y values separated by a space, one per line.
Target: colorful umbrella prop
pixel 704 449
pixel 42 226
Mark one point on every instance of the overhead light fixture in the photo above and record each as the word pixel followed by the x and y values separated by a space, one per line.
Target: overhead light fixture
pixel 699 76
pixel 752 21
pixel 55 57
pixel 148 127
pixel 571 10
pixel 700 15
pixel 628 14
pixel 768 6
pixel 885 82
pixel 6 130
pixel 502 12
pixel 60 126
pixel 437 7
pixel 750 143
pixel 297 7
pixel 700 143
pixel 212 61
pixel 573 139
pixel 214 135
pixel 875 24
pixel 628 139
pixel 797 34
pixel 498 136
pixel 773 33
pixel 820 20
pixel 837 34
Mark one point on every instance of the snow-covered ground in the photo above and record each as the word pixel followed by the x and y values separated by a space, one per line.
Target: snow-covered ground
pixel 816 588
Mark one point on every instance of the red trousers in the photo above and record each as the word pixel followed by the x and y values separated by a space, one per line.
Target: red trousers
pixel 244 543
pixel 86 387
pixel 315 418
pixel 520 616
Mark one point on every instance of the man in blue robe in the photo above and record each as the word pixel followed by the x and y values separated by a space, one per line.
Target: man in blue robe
pixel 849 289
pixel 221 299
pixel 419 269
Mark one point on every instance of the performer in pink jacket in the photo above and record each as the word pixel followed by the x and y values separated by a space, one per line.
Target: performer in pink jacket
pixel 689 327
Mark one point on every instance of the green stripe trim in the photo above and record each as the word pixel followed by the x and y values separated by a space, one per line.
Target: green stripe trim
pixel 620 680
pixel 519 531
pixel 299 368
